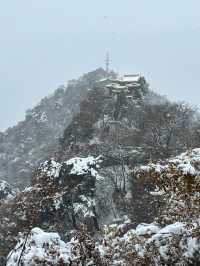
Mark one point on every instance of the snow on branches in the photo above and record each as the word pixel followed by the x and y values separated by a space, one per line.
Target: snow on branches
pixel 177 183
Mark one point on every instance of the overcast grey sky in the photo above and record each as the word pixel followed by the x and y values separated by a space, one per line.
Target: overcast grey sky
pixel 43 43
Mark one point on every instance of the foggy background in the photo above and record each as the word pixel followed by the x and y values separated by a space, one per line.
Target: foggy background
pixel 45 43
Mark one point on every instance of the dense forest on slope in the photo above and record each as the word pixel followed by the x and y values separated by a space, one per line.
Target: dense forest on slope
pixel 86 173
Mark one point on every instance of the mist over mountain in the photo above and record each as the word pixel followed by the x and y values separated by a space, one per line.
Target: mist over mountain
pixel 25 145
pixel 96 177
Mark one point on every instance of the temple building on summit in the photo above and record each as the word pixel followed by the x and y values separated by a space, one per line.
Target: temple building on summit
pixel 133 86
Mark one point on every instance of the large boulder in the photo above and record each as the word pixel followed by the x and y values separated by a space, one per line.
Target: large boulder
pixel 40 248
pixel 61 198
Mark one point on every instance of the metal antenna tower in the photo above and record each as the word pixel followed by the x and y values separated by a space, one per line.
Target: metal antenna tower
pixel 107 62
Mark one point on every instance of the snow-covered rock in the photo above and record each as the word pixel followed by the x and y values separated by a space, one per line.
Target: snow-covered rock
pixel 82 166
pixel 79 166
pixel 40 248
pixel 61 197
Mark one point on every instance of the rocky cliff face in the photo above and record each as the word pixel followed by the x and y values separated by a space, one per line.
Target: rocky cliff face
pixel 171 239
pixel 105 123
pixel 61 197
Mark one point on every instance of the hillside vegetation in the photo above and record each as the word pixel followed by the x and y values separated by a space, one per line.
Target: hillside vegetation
pixel 112 178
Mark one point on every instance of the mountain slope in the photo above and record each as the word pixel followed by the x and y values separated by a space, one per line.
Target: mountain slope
pixel 171 239
pixel 127 124
pixel 120 124
pixel 30 142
